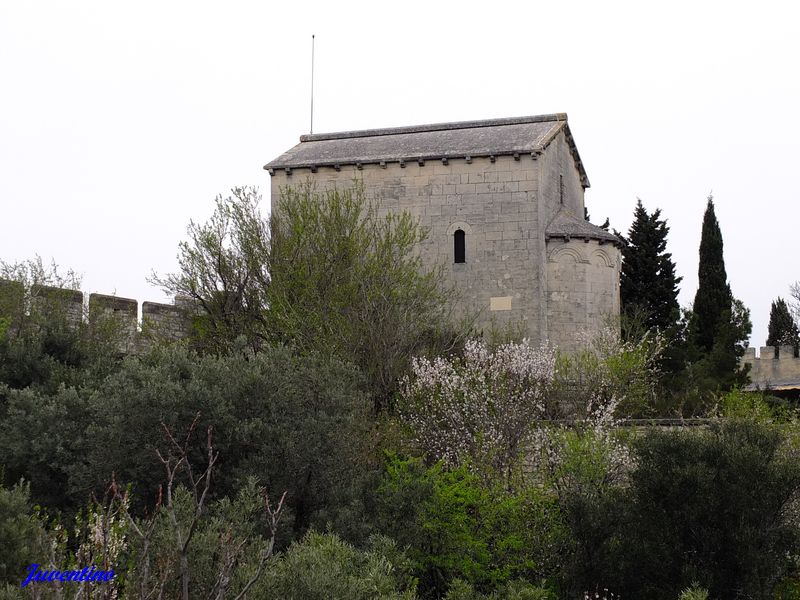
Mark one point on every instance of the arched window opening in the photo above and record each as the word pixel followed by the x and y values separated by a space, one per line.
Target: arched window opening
pixel 459 246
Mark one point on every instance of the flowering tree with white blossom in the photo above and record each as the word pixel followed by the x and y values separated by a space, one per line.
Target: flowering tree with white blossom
pixel 479 408
pixel 609 372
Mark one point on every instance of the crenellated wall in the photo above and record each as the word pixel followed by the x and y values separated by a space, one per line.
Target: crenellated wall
pixel 159 321
pixel 773 370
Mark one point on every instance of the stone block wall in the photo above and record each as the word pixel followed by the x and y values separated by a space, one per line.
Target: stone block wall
pixel 771 369
pixel 168 322
pixel 493 202
pixel 583 288
pixel 558 170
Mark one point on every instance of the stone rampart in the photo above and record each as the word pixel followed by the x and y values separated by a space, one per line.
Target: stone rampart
pixel 774 368
pixel 159 321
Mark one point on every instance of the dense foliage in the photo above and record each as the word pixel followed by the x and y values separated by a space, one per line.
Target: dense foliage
pixel 17 530
pixel 722 502
pixel 329 431
pixel 608 370
pixel 297 422
pixel 714 506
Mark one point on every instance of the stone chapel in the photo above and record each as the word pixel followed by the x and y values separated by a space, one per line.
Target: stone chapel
pixel 503 200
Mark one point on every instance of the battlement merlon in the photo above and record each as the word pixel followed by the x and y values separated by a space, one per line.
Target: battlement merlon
pixel 169 321
pixel 49 298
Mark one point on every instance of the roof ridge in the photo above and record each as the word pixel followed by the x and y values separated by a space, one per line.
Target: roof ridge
pixel 316 137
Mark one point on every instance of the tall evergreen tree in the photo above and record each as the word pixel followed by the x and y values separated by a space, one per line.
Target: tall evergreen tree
pixel 648 284
pixel 720 325
pixel 713 297
pixel 721 364
pixel 782 329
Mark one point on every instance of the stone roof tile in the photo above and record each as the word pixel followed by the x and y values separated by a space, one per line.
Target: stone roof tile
pixel 495 137
pixel 566 225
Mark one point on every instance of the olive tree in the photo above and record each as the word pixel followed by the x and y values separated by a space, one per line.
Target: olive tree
pixel 348 280
pixel 223 272
pixel 325 273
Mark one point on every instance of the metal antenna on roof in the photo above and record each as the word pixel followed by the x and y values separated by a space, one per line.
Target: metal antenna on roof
pixel 312 84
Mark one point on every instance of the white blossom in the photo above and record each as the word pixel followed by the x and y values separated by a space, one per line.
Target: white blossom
pixel 481 407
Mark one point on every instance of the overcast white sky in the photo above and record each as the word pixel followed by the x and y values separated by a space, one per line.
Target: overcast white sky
pixel 120 122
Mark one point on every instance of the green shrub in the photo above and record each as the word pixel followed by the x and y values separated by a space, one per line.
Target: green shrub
pixel 456 527
pixel 714 507
pixel 513 590
pixel 18 532
pixel 324 567
pixel 42 438
pixel 230 540
pixel 301 424
pixel 609 369
pixel 590 472
pixel 788 589
pixel 743 405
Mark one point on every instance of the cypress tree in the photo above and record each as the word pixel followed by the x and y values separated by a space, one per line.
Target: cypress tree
pixel 648 284
pixel 782 330
pixel 713 298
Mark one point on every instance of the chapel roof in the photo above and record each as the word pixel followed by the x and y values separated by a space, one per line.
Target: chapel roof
pixel 566 225
pixel 466 139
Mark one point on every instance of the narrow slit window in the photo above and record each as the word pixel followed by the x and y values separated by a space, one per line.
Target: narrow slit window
pixel 459 247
